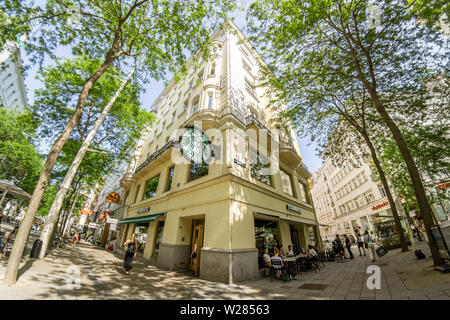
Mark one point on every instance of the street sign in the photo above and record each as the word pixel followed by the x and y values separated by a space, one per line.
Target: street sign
pixel 92 225
pixel 111 220
pixel 113 227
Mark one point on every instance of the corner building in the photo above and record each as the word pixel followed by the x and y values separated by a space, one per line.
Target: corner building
pixel 216 218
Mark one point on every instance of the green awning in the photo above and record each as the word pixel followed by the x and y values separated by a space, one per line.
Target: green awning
pixel 141 219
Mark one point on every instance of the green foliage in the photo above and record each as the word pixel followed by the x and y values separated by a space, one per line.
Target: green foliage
pixel 56 101
pixel 324 57
pixel 15 18
pixel 55 104
pixel 19 159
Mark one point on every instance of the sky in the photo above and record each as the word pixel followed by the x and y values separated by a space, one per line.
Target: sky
pixel 154 88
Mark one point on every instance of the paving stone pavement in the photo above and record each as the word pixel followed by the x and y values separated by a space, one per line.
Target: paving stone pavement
pixel 402 277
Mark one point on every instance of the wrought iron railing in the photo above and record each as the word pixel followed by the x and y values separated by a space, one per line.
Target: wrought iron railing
pixel 155 155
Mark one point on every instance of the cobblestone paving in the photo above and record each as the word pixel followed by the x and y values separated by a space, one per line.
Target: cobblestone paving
pixel 402 277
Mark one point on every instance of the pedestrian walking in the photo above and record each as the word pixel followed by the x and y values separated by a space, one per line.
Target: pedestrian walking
pixel 370 241
pixel 9 241
pixel 348 245
pixel 130 253
pixel 360 243
pixel 75 240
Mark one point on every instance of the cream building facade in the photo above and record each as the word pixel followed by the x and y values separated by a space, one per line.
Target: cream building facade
pixel 347 198
pixel 217 217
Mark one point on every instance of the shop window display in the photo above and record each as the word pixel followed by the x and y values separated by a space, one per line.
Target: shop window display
pixel 266 235
pixel 141 232
pixel 386 230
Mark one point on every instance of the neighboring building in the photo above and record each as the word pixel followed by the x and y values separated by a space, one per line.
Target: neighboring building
pixel 216 218
pixel 348 199
pixel 105 232
pixel 12 88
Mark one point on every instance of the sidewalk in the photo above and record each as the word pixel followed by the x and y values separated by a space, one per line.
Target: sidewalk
pixel 402 277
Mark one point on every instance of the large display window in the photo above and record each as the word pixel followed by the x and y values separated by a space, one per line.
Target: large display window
pixel 141 231
pixel 386 230
pixel 266 235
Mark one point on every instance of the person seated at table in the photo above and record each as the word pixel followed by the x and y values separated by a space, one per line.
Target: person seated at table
pixel 266 257
pixel 290 252
pixel 311 251
pixel 281 268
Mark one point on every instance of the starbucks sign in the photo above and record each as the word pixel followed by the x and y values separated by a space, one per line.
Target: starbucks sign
pixel 196 146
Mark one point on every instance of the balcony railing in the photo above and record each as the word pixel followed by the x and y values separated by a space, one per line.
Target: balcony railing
pixel 251 119
pixel 155 155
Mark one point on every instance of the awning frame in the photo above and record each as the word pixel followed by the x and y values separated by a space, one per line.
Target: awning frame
pixel 143 219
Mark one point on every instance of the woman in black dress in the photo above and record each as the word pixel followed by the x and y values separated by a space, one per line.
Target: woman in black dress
pixel 131 246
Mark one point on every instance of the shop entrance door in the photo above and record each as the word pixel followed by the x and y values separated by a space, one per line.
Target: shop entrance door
pixel 196 245
pixel 295 240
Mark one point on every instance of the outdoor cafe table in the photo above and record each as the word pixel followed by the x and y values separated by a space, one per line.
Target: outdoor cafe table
pixel 290 261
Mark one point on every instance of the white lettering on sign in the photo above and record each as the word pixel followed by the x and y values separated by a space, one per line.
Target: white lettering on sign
pixel 374 280
pixel 292 208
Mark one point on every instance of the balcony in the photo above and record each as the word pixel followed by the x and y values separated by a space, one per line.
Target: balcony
pixel 303 171
pixel 208 118
pixel 251 120
pixel 289 155
pixel 161 154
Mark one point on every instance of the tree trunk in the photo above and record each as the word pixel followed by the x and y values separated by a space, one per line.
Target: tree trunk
pixel 419 191
pixel 65 186
pixel 391 201
pixel 24 229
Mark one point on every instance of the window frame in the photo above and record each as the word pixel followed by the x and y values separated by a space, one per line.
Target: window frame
pixel 146 184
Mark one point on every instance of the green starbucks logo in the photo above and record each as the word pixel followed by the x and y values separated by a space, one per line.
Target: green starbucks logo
pixel 196 146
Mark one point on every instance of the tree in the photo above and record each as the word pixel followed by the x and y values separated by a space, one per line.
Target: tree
pixel 19 159
pixel 151 35
pixel 319 44
pixel 67 182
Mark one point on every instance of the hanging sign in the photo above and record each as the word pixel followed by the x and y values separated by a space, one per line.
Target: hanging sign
pixel 86 211
pixel 110 220
pixel 113 197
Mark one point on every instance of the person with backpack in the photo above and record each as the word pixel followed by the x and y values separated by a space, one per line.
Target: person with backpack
pixel 370 242
pixel 130 253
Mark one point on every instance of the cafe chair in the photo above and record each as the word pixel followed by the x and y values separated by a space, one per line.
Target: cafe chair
pixel 276 267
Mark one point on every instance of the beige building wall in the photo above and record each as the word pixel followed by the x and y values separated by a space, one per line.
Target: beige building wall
pixel 221 95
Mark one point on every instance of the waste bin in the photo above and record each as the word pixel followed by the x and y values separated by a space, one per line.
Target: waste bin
pixel 36 248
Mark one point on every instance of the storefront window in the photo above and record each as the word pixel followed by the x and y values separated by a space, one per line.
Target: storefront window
pixel 140 233
pixel 198 170
pixel 386 230
pixel 169 179
pixel 303 192
pixel 286 181
pixel 150 187
pixel 266 235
